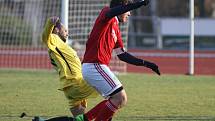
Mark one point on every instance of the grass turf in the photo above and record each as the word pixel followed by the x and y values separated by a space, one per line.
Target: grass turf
pixel 150 97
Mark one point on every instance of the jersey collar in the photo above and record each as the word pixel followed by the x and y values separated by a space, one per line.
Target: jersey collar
pixel 117 19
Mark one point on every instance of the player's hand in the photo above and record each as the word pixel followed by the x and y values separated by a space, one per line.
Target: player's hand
pixel 152 66
pixel 55 20
pixel 146 2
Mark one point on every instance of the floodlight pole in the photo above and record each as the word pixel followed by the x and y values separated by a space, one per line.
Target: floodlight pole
pixel 191 55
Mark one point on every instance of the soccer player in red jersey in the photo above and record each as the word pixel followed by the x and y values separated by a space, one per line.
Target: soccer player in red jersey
pixel 105 38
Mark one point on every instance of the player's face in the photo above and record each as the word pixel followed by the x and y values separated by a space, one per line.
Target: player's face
pixel 63 33
pixel 124 17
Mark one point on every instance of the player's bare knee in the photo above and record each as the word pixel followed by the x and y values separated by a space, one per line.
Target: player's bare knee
pixel 119 99
pixel 77 110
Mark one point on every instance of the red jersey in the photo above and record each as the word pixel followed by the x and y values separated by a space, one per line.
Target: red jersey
pixel 104 37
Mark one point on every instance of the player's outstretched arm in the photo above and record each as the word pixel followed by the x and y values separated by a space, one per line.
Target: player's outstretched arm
pixel 118 10
pixel 49 26
pixel 128 58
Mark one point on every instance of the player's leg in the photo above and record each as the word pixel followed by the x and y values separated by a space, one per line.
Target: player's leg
pixel 115 102
pixel 119 98
pixel 107 84
pixel 77 95
pixel 79 109
pixel 61 118
pixel 77 104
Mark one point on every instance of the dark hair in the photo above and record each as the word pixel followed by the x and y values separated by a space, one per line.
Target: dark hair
pixel 58 25
pixel 115 3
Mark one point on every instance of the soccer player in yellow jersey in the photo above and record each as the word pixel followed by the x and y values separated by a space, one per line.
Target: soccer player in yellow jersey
pixel 68 66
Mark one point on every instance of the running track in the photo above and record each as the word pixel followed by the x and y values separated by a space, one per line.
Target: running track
pixel 170 62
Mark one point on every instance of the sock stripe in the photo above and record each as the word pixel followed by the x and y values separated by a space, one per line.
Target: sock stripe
pixel 111 106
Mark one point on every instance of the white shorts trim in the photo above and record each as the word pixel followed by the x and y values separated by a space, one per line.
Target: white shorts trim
pixel 101 78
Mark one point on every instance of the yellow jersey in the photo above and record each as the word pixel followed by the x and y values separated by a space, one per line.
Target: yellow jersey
pixel 64 59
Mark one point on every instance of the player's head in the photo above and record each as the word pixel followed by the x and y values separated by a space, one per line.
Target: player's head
pixel 61 31
pixel 123 17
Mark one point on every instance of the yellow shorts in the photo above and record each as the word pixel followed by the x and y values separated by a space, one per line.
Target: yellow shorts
pixel 74 101
pixel 78 94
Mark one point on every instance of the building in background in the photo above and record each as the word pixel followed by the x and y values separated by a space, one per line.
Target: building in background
pixel 165 25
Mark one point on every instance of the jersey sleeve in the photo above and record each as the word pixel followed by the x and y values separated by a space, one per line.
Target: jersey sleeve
pixel 46 35
pixel 119 42
pixel 118 10
pixel 103 13
pixel 49 39
pixel 119 47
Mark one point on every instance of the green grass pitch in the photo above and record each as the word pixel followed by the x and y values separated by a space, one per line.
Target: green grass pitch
pixel 150 97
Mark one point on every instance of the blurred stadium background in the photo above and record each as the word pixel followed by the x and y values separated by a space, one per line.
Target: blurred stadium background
pixel 159 32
